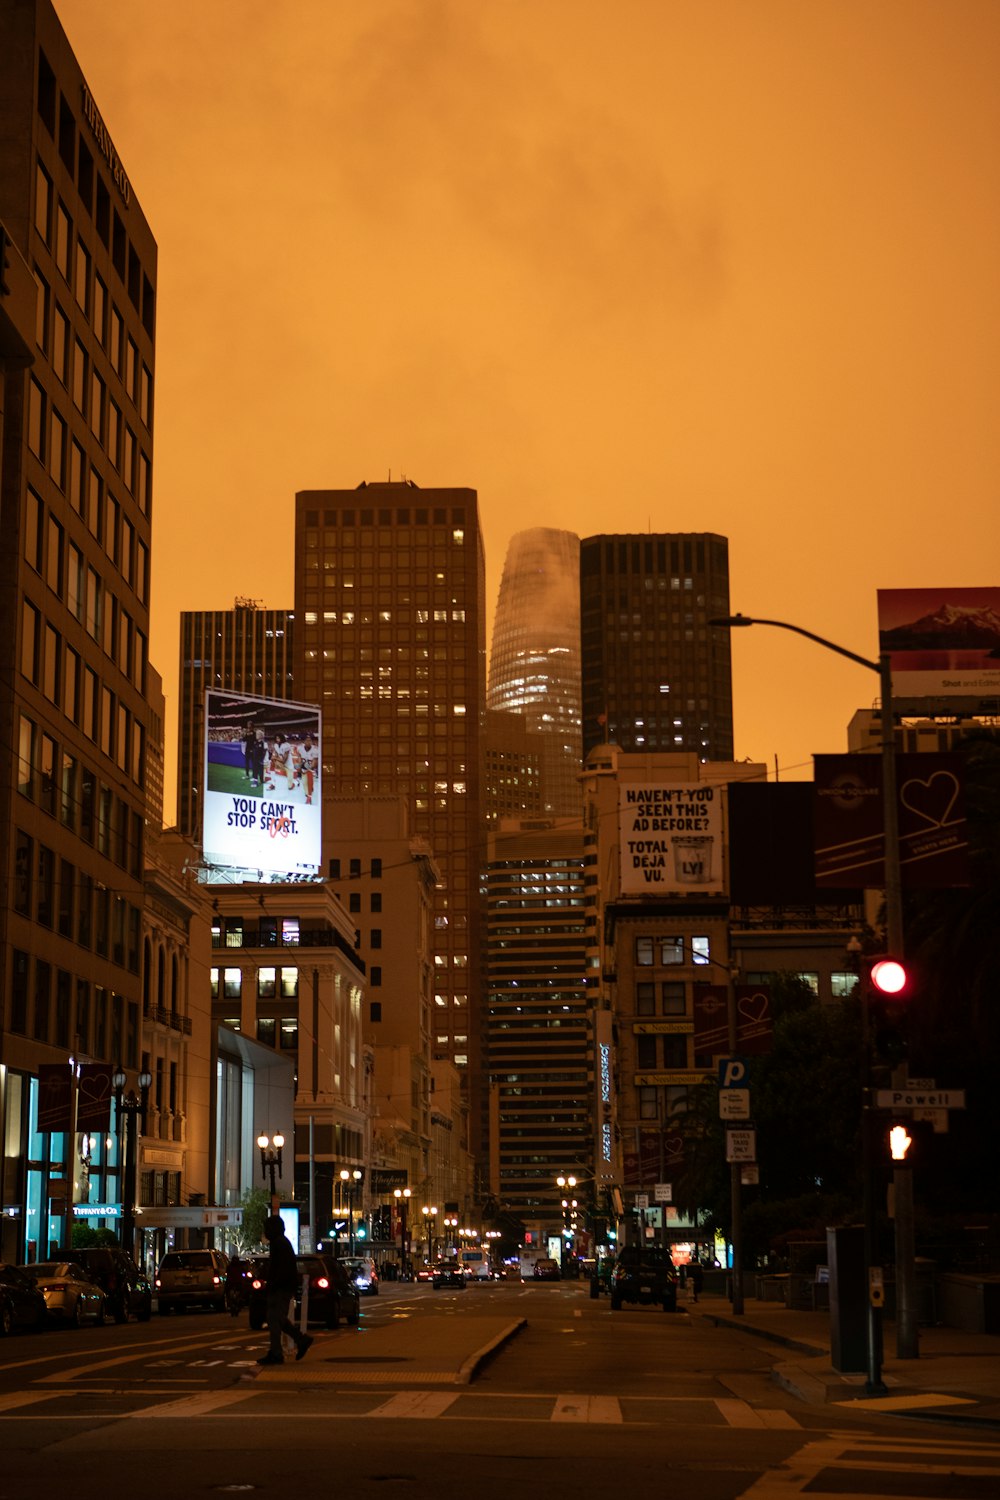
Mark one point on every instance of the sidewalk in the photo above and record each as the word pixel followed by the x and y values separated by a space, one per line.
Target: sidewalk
pixel 446 1351
pixel 955 1379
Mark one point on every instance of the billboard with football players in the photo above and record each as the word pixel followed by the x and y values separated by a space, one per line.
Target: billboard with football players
pixel 261 802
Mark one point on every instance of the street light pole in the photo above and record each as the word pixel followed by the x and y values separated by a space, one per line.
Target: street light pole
pixel 271 1152
pixel 130 1107
pixel 430 1216
pixel 351 1179
pixel 402 1197
pixel 906 1330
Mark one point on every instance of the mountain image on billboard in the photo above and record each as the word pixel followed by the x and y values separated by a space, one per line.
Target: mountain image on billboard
pixel 943 642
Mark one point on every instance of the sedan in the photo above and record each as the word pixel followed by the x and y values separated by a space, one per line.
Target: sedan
pixel 448 1273
pixel 332 1294
pixel 21 1303
pixel 69 1293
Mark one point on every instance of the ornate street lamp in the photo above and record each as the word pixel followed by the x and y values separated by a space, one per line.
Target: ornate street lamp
pixel 430 1217
pixel 402 1197
pixel 351 1180
pixel 271 1151
pixel 130 1113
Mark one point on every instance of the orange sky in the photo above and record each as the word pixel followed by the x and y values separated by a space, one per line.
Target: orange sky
pixel 619 265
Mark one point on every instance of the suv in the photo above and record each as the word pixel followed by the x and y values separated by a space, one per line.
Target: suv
pixel 332 1293
pixel 362 1271
pixel 126 1289
pixel 644 1273
pixel 192 1278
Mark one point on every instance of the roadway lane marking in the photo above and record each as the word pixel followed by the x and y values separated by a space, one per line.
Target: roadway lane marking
pixel 587 1409
pixel 26 1398
pixel 415 1404
pixel 191 1406
pixel 739 1414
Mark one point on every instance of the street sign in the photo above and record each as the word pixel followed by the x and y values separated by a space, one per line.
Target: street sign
pixel 734 1104
pixel 749 1174
pixel 920 1098
pixel 663 1192
pixel 732 1072
pixel 642 1200
pixel 741 1145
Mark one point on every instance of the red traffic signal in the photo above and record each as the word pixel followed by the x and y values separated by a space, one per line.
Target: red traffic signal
pixel 888 976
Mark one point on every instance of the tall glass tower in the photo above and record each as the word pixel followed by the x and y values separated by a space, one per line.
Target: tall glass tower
pixel 535 660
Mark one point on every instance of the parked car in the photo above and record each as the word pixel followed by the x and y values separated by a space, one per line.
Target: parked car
pixel 191 1278
pixel 363 1272
pixel 127 1290
pixel 70 1294
pixel 546 1269
pixel 644 1273
pixel 447 1273
pixel 333 1295
pixel 21 1302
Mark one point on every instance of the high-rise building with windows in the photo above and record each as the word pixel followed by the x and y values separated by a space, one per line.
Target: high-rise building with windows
pixel 76 506
pixel 540 935
pixel 656 676
pixel 535 655
pixel 390 641
pixel 246 649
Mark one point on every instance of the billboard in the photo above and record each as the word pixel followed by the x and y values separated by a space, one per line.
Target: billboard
pixel 930 807
pixel 944 643
pixel 670 838
pixel 261 802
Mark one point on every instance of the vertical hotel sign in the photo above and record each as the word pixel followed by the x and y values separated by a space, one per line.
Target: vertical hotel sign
pixel 605 1123
pixel 670 839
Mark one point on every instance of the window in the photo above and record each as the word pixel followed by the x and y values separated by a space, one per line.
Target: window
pixel 700 950
pixel 24 856
pixel 36 420
pixel 672 950
pixel 673 999
pixel 43 202
pixel 266 982
pixel 644 951
pixel 29 641
pixel 290 932
pixel 645 999
pixel 645 1052
pixel 810 980
pixel 842 984
pixel 289 1033
pixel 289 981
pixel 232 983
pixel 64 237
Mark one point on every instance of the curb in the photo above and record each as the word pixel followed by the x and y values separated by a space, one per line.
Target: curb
pixel 797 1346
pixel 468 1371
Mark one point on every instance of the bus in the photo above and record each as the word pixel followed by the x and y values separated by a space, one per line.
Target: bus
pixel 476 1264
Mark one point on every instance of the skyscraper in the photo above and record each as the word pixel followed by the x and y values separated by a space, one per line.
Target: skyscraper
pixel 245 649
pixel 540 930
pixel 655 675
pixel 390 642
pixel 74 603
pixel 535 655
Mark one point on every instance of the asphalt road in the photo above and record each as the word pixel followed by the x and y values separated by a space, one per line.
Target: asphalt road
pixel 582 1402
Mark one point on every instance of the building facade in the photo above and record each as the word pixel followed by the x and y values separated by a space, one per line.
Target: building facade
pixel 656 677
pixel 540 937
pixel 246 649
pixel 535 656
pixel 74 607
pixel 390 641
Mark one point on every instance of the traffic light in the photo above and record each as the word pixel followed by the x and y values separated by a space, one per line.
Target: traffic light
pixel 889 977
pixel 900 1141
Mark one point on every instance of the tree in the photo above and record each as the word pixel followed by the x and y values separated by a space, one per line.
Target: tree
pixel 256 1205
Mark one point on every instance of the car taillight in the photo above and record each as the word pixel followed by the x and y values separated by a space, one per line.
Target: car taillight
pixel 216 1280
pixel 55 1286
pixel 257 1284
pixel 322 1283
pixel 158 1282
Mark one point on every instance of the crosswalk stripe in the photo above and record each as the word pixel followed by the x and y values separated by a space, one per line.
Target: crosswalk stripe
pixel 25 1398
pixel 586 1409
pixel 192 1406
pixel 415 1404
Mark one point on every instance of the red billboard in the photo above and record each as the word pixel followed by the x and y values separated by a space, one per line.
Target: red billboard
pixel 944 643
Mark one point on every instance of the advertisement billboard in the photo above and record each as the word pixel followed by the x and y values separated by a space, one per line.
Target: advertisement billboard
pixel 261 802
pixel 944 643
pixel 671 838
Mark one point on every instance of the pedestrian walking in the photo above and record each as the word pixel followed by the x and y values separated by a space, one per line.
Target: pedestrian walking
pixel 696 1277
pixel 282 1277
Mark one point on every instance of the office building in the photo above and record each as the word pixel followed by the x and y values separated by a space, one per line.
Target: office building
pixel 535 656
pixel 656 677
pixel 246 649
pixel 74 615
pixel 513 760
pixel 390 642
pixel 540 934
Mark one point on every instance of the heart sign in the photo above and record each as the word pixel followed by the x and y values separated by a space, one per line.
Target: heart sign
pixel 933 800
